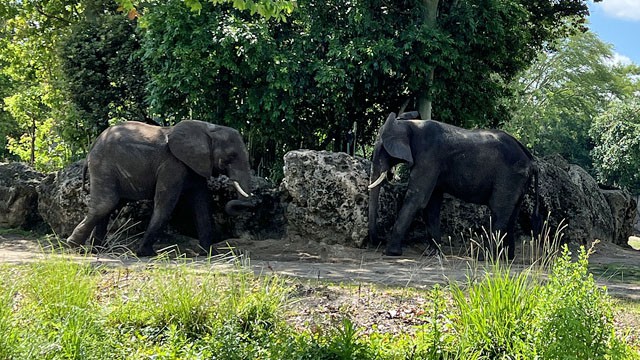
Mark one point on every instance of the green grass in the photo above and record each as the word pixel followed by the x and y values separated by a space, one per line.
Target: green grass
pixel 621 273
pixel 57 309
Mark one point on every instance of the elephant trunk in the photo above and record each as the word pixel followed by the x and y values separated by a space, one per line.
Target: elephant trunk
pixel 241 181
pixel 374 193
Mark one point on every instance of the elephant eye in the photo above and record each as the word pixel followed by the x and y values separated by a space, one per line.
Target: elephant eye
pixel 230 158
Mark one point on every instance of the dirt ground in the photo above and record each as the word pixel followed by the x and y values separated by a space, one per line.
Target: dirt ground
pixel 332 281
pixel 616 267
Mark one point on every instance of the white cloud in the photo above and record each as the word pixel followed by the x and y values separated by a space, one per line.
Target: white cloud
pixel 623 9
pixel 619 59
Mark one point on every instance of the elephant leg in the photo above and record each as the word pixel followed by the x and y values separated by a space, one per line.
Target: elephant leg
pixel 431 216
pixel 203 222
pixel 98 214
pixel 100 232
pixel 505 209
pixel 417 196
pixel 167 194
pixel 162 209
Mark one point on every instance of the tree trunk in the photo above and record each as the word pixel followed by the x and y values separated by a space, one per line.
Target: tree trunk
pixel 429 16
pixel 32 159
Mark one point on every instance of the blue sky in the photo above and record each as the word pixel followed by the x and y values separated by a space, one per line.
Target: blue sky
pixel 617 22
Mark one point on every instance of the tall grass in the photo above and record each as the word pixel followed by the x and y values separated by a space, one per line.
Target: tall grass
pixel 58 309
pixel 493 314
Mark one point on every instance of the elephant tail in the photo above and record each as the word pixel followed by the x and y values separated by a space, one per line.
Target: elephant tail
pixel 536 219
pixel 85 167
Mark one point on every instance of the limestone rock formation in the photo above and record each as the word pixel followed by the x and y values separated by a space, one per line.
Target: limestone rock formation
pixel 328 202
pixel 323 197
pixel 327 196
pixel 18 196
pixel 569 195
pixel 62 201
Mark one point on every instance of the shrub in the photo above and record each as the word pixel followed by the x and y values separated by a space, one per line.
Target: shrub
pixel 574 318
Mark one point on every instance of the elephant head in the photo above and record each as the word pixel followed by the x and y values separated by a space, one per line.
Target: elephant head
pixel 210 149
pixel 392 147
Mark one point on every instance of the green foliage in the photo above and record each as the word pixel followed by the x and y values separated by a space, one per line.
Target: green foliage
pixel 58 309
pixel 341 342
pixel 103 74
pixel 59 313
pixel 494 316
pixel 304 83
pixel 515 316
pixel 8 335
pixel 560 95
pixel 277 9
pixel 575 320
pixel 616 134
pixel 50 152
pixel 29 75
pixel 301 82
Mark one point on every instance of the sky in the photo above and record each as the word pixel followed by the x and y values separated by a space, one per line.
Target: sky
pixel 617 22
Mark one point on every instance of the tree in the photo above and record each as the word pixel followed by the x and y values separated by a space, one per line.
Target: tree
pixel 616 134
pixel 278 9
pixel 332 66
pixel 305 82
pixel 103 73
pixel 560 95
pixel 28 38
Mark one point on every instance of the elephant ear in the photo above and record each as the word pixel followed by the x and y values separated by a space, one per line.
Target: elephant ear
pixel 395 139
pixel 190 142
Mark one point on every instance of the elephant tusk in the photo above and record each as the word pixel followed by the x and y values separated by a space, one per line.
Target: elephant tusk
pixel 378 181
pixel 239 188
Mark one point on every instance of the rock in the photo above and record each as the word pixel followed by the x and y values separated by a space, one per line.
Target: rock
pixel 324 198
pixel 623 210
pixel 62 201
pixel 265 221
pixel 18 196
pixel 327 196
pixel 569 195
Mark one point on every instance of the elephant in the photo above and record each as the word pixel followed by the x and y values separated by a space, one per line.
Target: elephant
pixel 486 167
pixel 136 161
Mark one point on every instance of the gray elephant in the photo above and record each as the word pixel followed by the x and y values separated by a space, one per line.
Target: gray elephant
pixel 487 167
pixel 135 161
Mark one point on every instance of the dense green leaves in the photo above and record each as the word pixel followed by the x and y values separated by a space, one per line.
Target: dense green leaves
pixel 304 83
pixel 103 75
pixel 616 133
pixel 30 76
pixel 559 96
pixel 330 68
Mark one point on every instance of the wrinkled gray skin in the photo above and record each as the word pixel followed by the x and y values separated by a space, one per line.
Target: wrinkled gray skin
pixel 136 161
pixel 487 167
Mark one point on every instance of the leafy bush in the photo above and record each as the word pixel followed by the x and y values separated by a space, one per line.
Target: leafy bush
pixel 575 315
pixel 510 315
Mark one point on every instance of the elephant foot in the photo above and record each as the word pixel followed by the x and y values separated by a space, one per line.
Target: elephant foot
pixel 145 251
pixel 207 251
pixel 393 251
pixel 72 243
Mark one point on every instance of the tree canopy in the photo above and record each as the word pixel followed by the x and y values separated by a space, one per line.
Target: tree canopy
pixel 616 134
pixel 560 95
pixel 303 74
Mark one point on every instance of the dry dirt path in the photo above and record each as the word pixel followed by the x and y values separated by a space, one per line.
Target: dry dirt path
pixel 615 267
